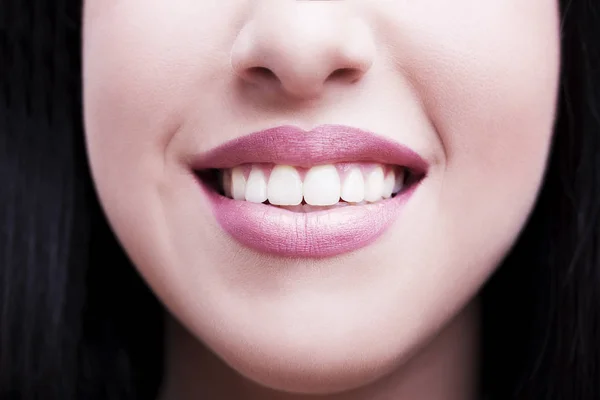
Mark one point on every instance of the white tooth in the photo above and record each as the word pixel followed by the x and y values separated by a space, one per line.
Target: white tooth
pixel 388 184
pixel 256 187
pixel 226 182
pixel 374 185
pixel 353 189
pixel 399 182
pixel 238 184
pixel 285 186
pixel 322 186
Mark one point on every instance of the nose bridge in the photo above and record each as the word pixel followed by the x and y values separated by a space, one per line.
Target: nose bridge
pixel 302 43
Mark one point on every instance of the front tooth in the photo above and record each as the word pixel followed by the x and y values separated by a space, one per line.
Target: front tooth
pixel 322 186
pixel 388 184
pixel 256 187
pixel 374 185
pixel 399 182
pixel 238 184
pixel 353 189
pixel 285 186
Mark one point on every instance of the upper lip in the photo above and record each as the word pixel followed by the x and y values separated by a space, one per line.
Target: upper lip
pixel 325 144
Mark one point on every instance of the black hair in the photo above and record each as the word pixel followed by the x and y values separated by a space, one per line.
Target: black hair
pixel 77 321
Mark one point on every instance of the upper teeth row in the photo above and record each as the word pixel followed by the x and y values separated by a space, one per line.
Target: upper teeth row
pixel 323 185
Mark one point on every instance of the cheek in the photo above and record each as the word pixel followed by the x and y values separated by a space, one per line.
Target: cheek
pixel 488 84
pixel 145 65
pixel 486 74
pixel 141 74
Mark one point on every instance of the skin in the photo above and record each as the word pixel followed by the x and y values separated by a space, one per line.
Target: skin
pixel 470 86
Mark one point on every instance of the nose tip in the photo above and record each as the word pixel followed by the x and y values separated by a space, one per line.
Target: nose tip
pixel 302 51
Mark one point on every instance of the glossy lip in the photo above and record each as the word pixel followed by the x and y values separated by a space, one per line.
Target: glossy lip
pixel 324 144
pixel 317 234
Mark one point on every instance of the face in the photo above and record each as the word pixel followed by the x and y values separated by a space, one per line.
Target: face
pixel 310 183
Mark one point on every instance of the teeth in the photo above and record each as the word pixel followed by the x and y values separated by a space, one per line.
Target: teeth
pixel 238 184
pixel 399 182
pixel 374 185
pixel 226 183
pixel 285 186
pixel 256 187
pixel 322 186
pixel 353 189
pixel 388 184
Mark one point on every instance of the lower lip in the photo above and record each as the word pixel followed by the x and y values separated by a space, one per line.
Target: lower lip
pixel 318 234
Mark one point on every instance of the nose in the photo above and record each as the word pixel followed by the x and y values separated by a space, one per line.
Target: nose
pixel 301 47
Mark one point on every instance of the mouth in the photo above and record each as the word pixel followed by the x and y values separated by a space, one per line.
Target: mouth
pixel 288 192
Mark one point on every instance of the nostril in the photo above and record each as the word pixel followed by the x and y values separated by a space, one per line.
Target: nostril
pixel 345 74
pixel 260 74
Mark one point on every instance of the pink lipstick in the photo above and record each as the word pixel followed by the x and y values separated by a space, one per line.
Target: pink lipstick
pixel 329 231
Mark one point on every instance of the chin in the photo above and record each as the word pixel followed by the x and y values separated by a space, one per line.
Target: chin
pixel 321 367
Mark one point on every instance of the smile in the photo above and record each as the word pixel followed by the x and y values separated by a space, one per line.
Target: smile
pixel 292 193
